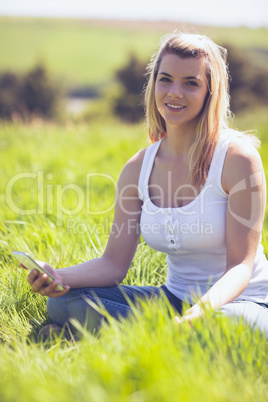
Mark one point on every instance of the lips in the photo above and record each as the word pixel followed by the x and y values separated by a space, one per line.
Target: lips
pixel 175 107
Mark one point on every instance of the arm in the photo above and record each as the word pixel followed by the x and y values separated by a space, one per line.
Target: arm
pixel 112 267
pixel 243 180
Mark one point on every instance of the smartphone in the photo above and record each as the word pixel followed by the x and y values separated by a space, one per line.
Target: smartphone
pixel 30 263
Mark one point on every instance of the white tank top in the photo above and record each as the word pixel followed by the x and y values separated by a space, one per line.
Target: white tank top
pixel 193 236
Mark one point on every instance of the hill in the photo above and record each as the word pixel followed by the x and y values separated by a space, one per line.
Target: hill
pixel 87 52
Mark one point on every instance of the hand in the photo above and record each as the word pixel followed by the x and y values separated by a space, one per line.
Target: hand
pixel 38 283
pixel 193 313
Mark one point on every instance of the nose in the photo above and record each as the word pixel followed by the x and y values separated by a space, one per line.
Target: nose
pixel 175 91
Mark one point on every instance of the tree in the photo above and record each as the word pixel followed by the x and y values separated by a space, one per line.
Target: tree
pixel 35 93
pixel 39 94
pixel 129 104
pixel 9 95
pixel 248 84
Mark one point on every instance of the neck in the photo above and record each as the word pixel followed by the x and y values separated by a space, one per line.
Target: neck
pixel 179 140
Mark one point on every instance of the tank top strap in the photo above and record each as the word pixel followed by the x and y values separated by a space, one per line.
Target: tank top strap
pixel 215 171
pixel 146 168
pixel 218 159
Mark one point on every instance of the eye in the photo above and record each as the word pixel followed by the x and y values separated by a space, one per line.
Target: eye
pixel 192 83
pixel 164 79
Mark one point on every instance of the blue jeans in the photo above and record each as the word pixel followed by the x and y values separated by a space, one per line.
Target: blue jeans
pixel 117 300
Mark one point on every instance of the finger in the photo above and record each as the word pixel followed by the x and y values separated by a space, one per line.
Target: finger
pixel 23 266
pixel 177 320
pixel 33 275
pixel 49 288
pixel 58 293
pixel 39 283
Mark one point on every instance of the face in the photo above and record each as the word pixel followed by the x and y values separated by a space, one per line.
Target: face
pixel 180 89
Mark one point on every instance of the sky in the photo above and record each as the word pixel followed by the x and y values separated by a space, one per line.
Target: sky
pixel 251 13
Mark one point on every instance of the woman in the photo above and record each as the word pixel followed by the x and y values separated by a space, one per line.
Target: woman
pixel 197 194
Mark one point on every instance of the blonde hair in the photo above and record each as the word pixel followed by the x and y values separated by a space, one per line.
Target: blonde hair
pixel 215 113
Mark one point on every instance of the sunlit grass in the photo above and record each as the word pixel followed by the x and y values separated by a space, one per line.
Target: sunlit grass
pixel 146 358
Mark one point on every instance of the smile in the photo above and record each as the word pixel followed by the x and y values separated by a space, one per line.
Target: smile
pixel 176 107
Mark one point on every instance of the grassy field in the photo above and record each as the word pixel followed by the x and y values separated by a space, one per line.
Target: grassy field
pixel 56 197
pixel 44 172
pixel 83 52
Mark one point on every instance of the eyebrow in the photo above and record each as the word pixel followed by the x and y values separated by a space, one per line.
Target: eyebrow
pixel 168 75
pixel 191 77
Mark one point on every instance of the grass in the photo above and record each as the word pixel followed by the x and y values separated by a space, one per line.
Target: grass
pixel 144 359
pixel 88 52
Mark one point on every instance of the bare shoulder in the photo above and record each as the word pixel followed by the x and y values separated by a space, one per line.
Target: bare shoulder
pixel 241 153
pixel 242 160
pixel 131 171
